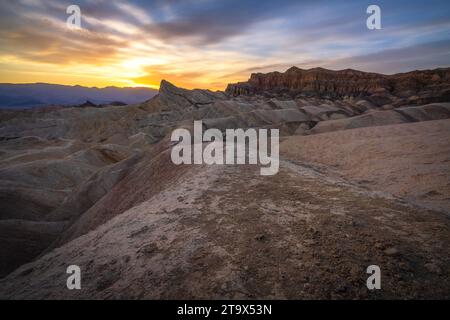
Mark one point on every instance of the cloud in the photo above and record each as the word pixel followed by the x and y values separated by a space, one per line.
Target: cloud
pixel 425 55
pixel 39 37
pixel 208 22
pixel 208 43
pixel 428 55
pixel 136 12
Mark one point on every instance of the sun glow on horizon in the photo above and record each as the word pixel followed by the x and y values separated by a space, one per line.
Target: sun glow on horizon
pixel 210 44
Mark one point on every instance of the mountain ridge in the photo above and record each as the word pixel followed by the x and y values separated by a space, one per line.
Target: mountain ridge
pixel 433 84
pixel 29 95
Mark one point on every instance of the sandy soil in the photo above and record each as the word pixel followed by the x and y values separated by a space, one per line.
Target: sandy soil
pixel 410 161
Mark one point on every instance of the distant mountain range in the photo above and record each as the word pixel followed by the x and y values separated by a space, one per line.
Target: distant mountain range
pixel 43 94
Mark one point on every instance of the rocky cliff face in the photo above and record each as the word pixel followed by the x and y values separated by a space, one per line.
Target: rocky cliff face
pixel 431 84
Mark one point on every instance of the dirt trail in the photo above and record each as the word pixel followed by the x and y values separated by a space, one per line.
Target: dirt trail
pixel 227 232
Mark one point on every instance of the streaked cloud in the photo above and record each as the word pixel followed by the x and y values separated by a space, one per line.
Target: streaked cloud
pixel 207 43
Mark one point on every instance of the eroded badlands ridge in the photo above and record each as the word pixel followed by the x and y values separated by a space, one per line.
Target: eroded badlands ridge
pixel 96 187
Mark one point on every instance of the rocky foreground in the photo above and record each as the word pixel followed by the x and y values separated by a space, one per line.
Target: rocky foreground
pixel 362 181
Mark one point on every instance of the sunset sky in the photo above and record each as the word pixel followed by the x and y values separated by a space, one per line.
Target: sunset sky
pixel 207 43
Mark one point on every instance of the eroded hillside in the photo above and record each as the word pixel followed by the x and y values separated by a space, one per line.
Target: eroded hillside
pixel 362 181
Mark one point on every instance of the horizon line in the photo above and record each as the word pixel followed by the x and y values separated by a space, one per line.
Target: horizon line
pixel 156 88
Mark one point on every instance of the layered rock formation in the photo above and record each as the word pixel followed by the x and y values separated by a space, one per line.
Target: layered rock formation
pixel 417 87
